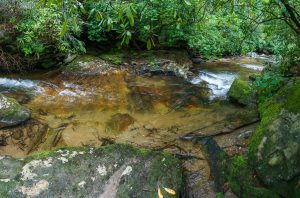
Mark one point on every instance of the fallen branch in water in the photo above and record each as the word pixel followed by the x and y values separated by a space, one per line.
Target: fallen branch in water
pixel 187 137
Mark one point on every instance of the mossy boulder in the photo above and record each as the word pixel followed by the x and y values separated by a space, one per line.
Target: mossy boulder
pixel 275 146
pixel 112 171
pixel 116 58
pixel 242 181
pixel 11 112
pixel 236 172
pixel 241 92
pixel 88 65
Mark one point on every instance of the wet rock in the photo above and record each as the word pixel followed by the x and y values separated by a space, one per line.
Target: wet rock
pixel 112 171
pixel 243 182
pixel 275 146
pixel 218 162
pixel 252 54
pixel 11 112
pixel 115 58
pixel 253 77
pixel 167 63
pixel 197 60
pixel 88 65
pixel 50 60
pixel 233 177
pixel 25 138
pixel 120 122
pixel 69 58
pixel 3 141
pixel 240 92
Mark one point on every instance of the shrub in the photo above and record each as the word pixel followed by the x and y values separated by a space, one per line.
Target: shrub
pixel 41 30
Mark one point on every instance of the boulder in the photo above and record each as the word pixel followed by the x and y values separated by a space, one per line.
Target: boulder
pixel 87 65
pixel 116 58
pixel 11 112
pixel 241 92
pixel 275 147
pixel 112 171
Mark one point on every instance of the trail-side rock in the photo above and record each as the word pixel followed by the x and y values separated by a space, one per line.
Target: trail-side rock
pixel 11 112
pixel 111 171
pixel 275 146
pixel 240 92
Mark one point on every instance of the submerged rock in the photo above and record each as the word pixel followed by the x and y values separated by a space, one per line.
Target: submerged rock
pixel 120 122
pixel 275 146
pixel 11 112
pixel 240 92
pixel 111 171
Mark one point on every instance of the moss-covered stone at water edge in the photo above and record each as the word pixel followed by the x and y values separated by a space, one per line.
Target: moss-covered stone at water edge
pixel 274 150
pixel 117 170
pixel 11 112
pixel 241 92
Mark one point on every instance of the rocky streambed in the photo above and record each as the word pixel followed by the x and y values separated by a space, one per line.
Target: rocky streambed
pixel 160 101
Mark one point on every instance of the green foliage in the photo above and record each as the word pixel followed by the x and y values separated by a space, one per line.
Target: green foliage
pixel 41 29
pixel 268 84
pixel 210 29
pixel 150 22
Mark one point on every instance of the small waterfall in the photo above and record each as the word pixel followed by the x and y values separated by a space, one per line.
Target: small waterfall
pixel 253 66
pixel 20 85
pixel 218 83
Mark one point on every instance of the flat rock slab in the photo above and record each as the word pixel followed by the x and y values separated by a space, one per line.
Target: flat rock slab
pixel 113 171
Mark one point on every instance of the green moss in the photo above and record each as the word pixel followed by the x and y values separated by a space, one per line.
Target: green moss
pixel 6 187
pixel 241 92
pixel 293 99
pixel 256 192
pixel 51 153
pixel 240 175
pixel 269 111
pixel 12 113
pixel 242 182
pixel 75 66
pixel 149 168
pixel 12 110
pixel 219 195
pixel 115 58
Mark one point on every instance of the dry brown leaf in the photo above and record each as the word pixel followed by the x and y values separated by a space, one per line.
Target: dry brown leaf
pixel 160 195
pixel 170 191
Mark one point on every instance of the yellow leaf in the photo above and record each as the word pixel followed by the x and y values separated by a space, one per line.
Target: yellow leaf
pixel 170 191
pixel 160 195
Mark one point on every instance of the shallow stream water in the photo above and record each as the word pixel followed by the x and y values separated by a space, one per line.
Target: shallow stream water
pixel 151 112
